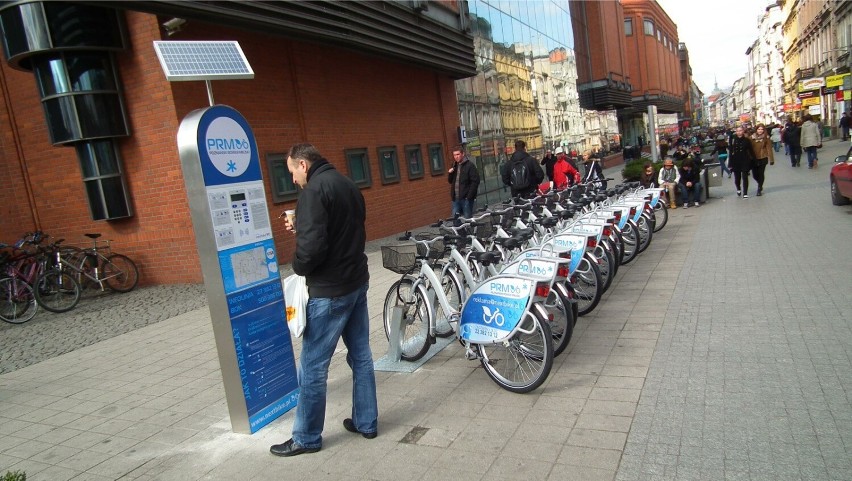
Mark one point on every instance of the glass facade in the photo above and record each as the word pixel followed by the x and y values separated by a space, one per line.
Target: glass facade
pixel 525 87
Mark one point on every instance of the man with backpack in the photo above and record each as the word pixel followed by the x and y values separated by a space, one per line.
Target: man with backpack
pixel 522 173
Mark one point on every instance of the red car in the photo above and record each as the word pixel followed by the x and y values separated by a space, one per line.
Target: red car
pixel 841 179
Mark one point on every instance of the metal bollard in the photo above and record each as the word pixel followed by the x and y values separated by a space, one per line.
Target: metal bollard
pixel 395 338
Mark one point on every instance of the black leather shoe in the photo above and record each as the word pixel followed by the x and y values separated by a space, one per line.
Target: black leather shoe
pixel 290 448
pixel 350 426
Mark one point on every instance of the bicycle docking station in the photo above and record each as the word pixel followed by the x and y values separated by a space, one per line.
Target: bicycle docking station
pixel 392 361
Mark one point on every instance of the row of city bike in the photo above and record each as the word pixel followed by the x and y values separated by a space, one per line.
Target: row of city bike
pixel 510 282
pixel 40 271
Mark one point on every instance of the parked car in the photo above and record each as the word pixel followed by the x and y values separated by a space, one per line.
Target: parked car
pixel 841 179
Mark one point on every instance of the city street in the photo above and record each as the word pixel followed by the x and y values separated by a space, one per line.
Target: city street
pixel 724 351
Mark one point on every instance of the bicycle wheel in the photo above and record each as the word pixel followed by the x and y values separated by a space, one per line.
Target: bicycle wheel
pixel 661 215
pixel 606 264
pixel 646 233
pixel 630 238
pixel 562 325
pixel 120 273
pixel 451 286
pixel 587 286
pixel 522 362
pixel 17 301
pixel 416 312
pixel 57 291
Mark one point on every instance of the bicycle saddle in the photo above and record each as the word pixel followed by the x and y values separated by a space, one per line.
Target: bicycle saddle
pixel 486 258
pixel 92 236
pixel 509 242
pixel 516 232
pixel 548 222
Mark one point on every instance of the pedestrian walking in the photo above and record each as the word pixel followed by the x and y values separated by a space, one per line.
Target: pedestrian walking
pixel 668 179
pixel 775 136
pixel 594 171
pixel 721 152
pixel 548 161
pixel 330 236
pixel 811 140
pixel 763 154
pixel 740 160
pixel 844 126
pixel 564 174
pixel 464 183
pixel 792 134
pixel 522 173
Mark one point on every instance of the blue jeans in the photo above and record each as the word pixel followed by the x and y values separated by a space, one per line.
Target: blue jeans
pixel 685 192
pixel 328 320
pixel 812 155
pixel 463 207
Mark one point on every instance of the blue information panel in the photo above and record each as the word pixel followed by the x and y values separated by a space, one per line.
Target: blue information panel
pixel 248 263
pixel 495 308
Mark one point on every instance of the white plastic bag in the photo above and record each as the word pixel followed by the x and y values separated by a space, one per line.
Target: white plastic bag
pixel 296 302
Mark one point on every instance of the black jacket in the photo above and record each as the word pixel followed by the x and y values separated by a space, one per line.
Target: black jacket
pixel 740 154
pixel 532 169
pixel 330 233
pixel 468 180
pixel 548 162
pixel 694 175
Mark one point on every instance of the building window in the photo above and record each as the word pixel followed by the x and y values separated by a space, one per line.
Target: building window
pixel 649 27
pixel 628 27
pixel 388 164
pixel 103 179
pixel 414 159
pixel 358 163
pixel 659 36
pixel 283 187
pixel 436 158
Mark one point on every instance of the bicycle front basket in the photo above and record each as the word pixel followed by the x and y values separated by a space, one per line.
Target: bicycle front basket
pixel 436 249
pixel 399 258
pixel 486 229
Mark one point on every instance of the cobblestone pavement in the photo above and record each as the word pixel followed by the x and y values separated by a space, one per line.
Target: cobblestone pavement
pixel 751 377
pixel 722 352
pixel 98 316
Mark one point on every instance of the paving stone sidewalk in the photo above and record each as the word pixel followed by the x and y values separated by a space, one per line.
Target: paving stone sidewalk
pixel 722 352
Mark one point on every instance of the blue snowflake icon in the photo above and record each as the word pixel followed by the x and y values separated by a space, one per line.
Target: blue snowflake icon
pixel 232 167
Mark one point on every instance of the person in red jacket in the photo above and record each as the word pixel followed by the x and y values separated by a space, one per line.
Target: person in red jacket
pixel 564 174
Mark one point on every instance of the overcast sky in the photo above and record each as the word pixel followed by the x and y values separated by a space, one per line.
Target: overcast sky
pixel 717 34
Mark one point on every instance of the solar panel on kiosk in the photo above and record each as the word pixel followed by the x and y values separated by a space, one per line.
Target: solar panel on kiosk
pixel 202 60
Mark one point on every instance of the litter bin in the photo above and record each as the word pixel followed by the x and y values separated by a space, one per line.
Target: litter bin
pixel 712 176
pixel 826 131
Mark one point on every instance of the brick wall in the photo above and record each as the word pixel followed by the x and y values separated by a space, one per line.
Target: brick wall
pixel 301 92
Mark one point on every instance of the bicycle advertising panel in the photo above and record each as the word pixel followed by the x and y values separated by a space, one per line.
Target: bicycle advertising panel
pixel 231 220
pixel 495 308
pixel 575 244
pixel 588 230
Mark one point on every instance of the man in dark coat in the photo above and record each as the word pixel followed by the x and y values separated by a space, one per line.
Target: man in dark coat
pixel 464 183
pixel 549 161
pixel 533 173
pixel 739 160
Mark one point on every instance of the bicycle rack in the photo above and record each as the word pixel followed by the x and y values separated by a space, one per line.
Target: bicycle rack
pixel 392 361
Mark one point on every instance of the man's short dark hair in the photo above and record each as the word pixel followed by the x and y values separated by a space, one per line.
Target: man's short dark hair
pixel 520 145
pixel 306 152
pixel 458 148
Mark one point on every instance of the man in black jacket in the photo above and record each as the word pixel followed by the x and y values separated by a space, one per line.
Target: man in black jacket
pixel 330 238
pixel 464 183
pixel 522 173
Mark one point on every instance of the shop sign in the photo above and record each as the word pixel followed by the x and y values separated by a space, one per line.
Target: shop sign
pixel 835 81
pixel 811 101
pixel 813 83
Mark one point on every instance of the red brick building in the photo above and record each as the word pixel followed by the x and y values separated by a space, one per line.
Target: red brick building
pixel 67 160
